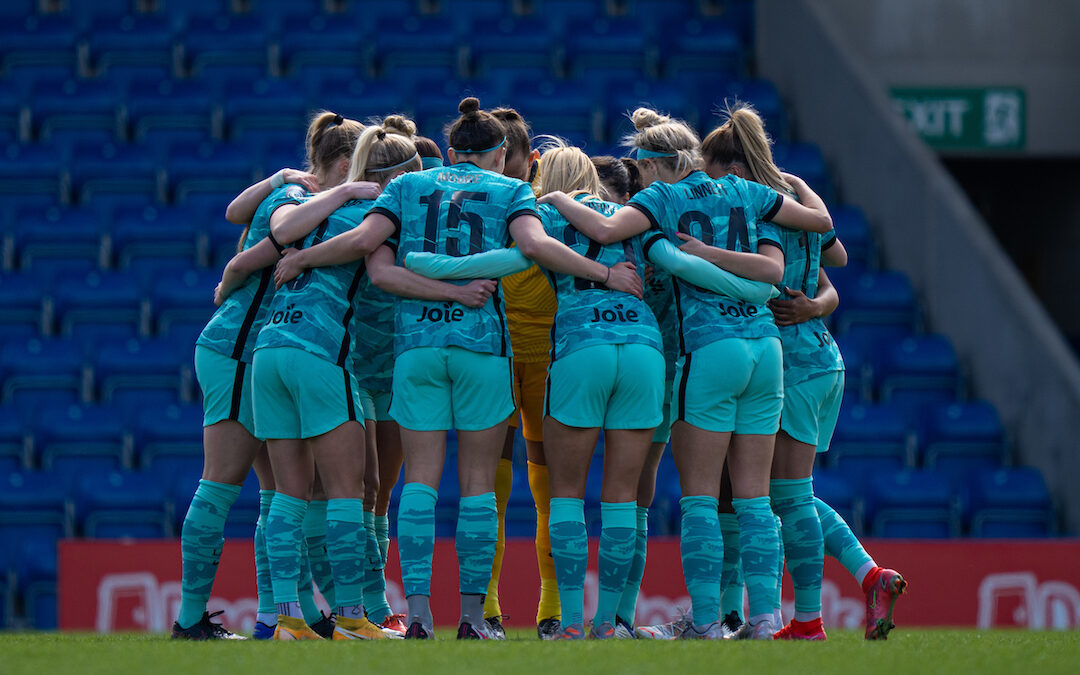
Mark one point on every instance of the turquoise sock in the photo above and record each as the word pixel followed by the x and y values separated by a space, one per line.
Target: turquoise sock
pixel 570 551
pixel 382 532
pixel 628 601
pixel 760 550
pixel 778 599
pixel 416 537
pixel 262 562
pixel 702 549
pixel 318 556
pixel 840 542
pixel 477 532
pixel 618 534
pixel 283 537
pixel 345 544
pixel 305 589
pixel 793 501
pixel 201 540
pixel 375 602
pixel 731 581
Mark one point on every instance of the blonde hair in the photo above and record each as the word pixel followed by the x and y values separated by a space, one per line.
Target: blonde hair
pixel 329 136
pixel 386 146
pixel 741 139
pixel 660 133
pixel 565 168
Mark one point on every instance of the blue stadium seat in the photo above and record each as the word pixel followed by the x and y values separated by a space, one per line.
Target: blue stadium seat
pixel 180 12
pixel 509 42
pixel 624 96
pixel 56 233
pixel 115 169
pixel 154 232
pixel 805 161
pixel 853 230
pixel 36 575
pixel 562 108
pixel 960 435
pixel 183 297
pixel 32 169
pixel 561 15
pixel 168 431
pixel 609 45
pixel 121 504
pixel 912 504
pixel 437 105
pixel 98 307
pixel 858 377
pixel 267 104
pixel 701 44
pixel 72 440
pixel 21 298
pixel 127 39
pixel 877 297
pixel 169 105
pixel 33 507
pixel 224 41
pixel 38 40
pixel 210 168
pixel 13 441
pixel 49 366
pixel 318 41
pixel 834 489
pixel 918 363
pixel 874 431
pixel 416 42
pixel 1011 503
pixel 146 364
pixel 80 104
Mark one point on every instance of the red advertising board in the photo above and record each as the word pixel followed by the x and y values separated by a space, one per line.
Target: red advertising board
pixel 123 586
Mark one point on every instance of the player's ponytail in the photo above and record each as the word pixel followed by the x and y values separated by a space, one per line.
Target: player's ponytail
pixel 329 136
pixel 476 131
pixel 742 140
pixel 670 143
pixel 383 149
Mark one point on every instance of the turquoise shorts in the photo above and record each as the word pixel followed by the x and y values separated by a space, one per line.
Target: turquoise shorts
pixel 300 395
pixel 226 388
pixel 376 405
pixel 439 388
pixel 811 409
pixel 607 386
pixel 663 432
pixel 734 384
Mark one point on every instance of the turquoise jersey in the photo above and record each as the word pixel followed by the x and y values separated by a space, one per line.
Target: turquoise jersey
pixel 660 297
pixel 373 339
pixel 729 213
pixel 317 311
pixel 233 328
pixel 590 313
pixel 809 349
pixel 456 210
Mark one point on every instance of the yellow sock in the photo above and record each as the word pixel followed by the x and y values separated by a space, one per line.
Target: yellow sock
pixel 504 480
pixel 539 483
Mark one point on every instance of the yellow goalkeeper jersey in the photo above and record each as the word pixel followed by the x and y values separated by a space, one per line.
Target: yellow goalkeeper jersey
pixel 530 309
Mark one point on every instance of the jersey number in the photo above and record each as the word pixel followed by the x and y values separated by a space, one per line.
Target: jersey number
pixel 460 240
pixel 574 238
pixel 305 277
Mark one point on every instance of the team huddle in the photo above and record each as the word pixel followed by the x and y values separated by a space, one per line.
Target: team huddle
pixel 384 297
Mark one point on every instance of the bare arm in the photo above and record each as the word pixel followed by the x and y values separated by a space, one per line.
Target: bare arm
pixel 809 213
pixel 242 209
pixel 355 244
pixel 292 222
pixel 766 265
pixel 800 308
pixel 400 281
pixel 602 229
pixel 243 265
pixel 835 255
pixel 558 257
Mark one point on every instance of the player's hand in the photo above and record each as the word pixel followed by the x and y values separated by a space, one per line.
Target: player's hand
pixel 551 198
pixel 692 245
pixel 648 273
pixel 624 277
pixel 799 309
pixel 476 293
pixel 363 189
pixel 308 180
pixel 288 268
pixel 219 294
pixel 791 178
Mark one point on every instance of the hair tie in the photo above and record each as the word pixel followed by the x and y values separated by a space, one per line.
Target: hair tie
pixel 338 119
pixel 642 153
pixel 415 157
pixel 432 162
pixel 480 152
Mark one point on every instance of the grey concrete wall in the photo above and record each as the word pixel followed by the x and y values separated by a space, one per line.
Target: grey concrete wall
pixel 1027 43
pixel 926 227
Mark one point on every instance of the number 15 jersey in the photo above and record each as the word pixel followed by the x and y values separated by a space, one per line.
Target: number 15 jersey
pixel 456 210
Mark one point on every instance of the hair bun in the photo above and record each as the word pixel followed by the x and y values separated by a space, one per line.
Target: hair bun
pixel 469 105
pixel 396 124
pixel 643 118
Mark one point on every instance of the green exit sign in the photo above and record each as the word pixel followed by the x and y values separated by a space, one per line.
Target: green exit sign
pixel 989 118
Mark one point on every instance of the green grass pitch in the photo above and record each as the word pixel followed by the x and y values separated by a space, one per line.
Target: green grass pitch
pixel 908 651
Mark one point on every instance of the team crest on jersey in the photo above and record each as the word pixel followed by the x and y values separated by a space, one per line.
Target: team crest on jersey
pixel 295 192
